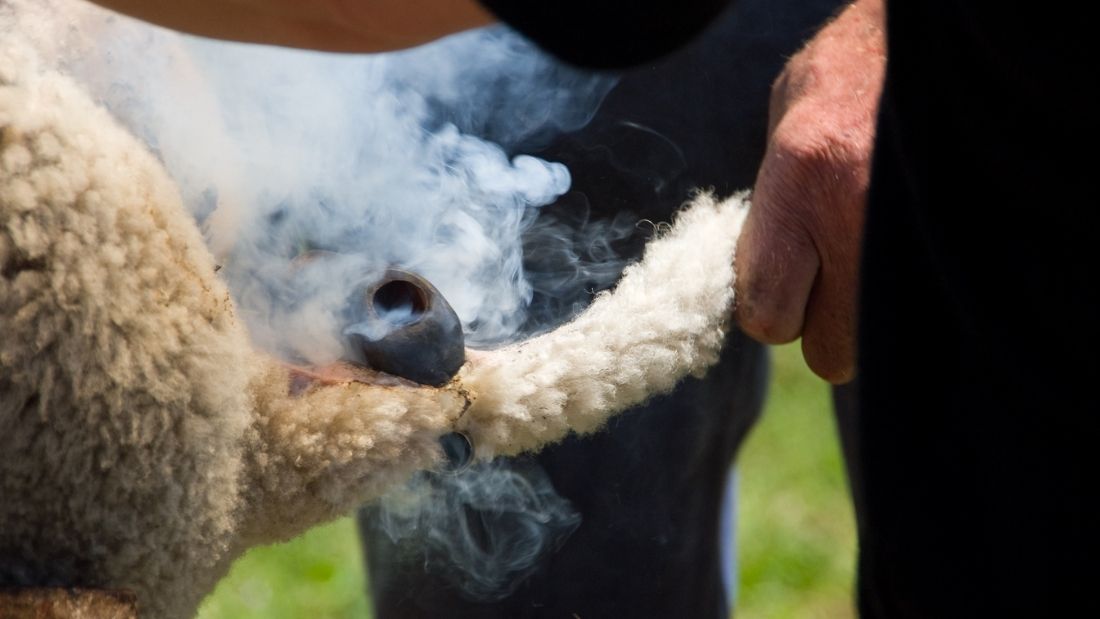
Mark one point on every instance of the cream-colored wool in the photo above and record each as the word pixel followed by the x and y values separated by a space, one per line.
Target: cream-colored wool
pixel 144 444
pixel 665 320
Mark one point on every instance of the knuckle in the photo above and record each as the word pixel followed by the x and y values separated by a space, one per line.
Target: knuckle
pixel 805 162
pixel 818 131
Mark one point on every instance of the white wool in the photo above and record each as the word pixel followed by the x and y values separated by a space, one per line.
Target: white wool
pixel 145 444
pixel 666 319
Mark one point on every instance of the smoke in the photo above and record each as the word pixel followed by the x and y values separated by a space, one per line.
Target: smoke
pixel 483 529
pixel 411 159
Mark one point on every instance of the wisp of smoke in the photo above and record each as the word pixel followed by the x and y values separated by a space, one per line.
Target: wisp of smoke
pixel 384 159
pixel 482 529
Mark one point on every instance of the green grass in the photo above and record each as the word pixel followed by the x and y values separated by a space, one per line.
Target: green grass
pixel 319 575
pixel 796 533
pixel 796 530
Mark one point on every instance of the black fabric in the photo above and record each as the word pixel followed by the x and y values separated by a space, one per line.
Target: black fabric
pixel 979 332
pixel 649 487
pixel 608 33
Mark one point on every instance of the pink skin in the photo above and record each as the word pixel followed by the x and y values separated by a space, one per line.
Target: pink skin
pixel 798 256
pixel 339 373
pixel 303 378
pixel 329 25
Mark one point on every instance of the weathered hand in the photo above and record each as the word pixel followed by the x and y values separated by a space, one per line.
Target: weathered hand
pixel 798 256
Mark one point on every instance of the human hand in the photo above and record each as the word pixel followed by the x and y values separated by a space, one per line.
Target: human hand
pixel 798 256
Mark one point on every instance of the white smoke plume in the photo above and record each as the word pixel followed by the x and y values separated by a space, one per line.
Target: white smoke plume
pixel 484 529
pixel 278 152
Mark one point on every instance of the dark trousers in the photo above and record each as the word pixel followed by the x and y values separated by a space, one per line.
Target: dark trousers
pixel 979 330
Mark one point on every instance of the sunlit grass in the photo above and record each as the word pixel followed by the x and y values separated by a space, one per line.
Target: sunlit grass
pixel 795 533
pixel 319 575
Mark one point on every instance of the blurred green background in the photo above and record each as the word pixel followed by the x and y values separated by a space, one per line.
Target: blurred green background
pixel 795 529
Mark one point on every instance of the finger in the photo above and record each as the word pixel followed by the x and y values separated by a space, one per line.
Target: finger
pixel 776 264
pixel 829 334
pixel 829 331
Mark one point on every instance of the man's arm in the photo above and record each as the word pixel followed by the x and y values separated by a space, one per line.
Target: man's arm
pixel 798 256
pixel 329 25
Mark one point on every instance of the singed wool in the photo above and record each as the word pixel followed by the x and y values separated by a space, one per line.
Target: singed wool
pixel 144 444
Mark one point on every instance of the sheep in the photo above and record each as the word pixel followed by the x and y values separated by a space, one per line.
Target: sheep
pixel 145 443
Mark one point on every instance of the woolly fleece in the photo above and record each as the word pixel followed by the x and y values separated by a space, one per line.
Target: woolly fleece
pixel 666 319
pixel 145 444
